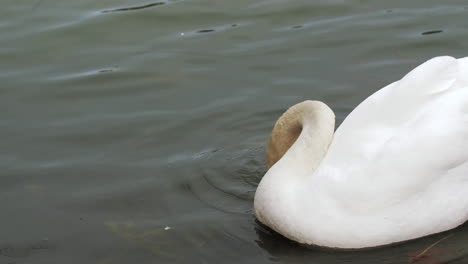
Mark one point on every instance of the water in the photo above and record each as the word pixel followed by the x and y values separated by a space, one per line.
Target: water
pixel 134 132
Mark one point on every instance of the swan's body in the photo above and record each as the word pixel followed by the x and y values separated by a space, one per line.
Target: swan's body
pixel 396 169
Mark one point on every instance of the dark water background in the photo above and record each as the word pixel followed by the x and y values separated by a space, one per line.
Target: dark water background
pixel 134 131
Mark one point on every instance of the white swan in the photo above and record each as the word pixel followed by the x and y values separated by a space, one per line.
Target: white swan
pixel 396 169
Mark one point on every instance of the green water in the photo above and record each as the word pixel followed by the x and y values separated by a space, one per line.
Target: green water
pixel 134 132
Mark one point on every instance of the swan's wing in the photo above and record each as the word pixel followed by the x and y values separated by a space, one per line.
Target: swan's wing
pixel 406 137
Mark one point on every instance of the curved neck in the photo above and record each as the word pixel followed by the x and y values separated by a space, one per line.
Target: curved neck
pixel 301 136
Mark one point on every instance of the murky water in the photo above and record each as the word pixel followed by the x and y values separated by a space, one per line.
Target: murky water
pixel 134 131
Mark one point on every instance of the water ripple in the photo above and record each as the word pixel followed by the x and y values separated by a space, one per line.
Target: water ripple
pixel 132 8
pixel 228 180
pixel 432 32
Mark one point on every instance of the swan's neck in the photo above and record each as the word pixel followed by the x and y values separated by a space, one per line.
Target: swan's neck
pixel 299 141
pixel 301 137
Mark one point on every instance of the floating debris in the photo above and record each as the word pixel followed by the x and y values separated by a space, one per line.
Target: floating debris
pixel 423 254
pixel 167 228
pixel 432 32
pixel 297 26
pixel 133 8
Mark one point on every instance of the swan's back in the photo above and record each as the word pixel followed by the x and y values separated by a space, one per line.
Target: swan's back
pixel 399 161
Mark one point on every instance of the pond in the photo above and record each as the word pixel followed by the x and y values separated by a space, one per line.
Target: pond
pixel 135 131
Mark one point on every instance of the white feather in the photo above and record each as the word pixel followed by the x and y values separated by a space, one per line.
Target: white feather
pixel 396 168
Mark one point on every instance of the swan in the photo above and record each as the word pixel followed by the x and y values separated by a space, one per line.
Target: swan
pixel 395 170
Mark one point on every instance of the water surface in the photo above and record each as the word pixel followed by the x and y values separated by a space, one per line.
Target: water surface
pixel 134 131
